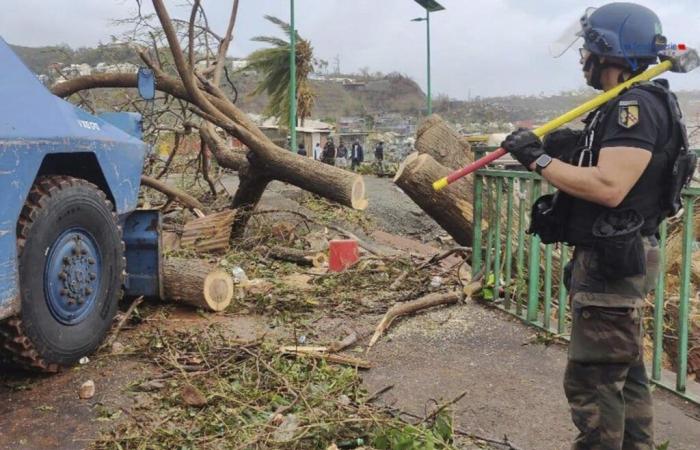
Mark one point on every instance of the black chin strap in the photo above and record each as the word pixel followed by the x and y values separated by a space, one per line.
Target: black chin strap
pixel 593 62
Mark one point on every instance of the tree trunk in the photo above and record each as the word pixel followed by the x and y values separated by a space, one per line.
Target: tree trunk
pixel 451 208
pixel 251 187
pixel 196 283
pixel 438 139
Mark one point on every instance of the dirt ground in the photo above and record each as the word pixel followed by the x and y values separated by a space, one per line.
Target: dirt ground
pixel 513 384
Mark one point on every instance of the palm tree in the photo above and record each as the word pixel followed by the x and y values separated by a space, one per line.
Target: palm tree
pixel 273 64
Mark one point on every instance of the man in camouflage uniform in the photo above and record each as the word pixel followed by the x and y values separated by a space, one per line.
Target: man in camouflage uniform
pixel 611 179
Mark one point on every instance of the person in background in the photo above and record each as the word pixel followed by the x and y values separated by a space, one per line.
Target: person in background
pixel 341 156
pixel 302 149
pixel 379 157
pixel 328 154
pixel 356 155
pixel 317 151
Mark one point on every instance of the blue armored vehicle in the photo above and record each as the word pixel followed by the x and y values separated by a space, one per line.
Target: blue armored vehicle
pixel 69 182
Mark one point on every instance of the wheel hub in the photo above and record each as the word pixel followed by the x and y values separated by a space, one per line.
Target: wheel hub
pixel 71 278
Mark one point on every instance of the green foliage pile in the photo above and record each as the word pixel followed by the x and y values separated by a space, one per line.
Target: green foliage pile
pixel 214 392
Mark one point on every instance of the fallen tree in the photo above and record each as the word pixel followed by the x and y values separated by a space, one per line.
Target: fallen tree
pixel 451 208
pixel 267 161
pixel 438 139
pixel 440 150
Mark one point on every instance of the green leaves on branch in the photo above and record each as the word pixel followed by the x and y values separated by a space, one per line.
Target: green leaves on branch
pixel 273 65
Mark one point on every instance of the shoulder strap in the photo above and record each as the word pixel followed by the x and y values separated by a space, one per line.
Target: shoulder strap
pixel 678 138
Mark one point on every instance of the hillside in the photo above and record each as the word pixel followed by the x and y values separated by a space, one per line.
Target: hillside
pixel 38 59
pixel 367 96
pixel 391 93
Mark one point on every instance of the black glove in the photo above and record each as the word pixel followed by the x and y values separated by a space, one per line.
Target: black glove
pixel 524 145
pixel 561 143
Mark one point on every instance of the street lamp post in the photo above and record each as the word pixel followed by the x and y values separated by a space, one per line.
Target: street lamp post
pixel 430 6
pixel 292 81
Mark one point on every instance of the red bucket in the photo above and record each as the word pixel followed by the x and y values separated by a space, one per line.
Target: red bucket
pixel 343 253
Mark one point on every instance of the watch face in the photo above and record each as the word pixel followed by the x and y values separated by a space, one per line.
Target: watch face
pixel 543 161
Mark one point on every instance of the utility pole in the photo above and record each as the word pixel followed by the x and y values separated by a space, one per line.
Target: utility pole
pixel 427 27
pixel 292 81
pixel 430 6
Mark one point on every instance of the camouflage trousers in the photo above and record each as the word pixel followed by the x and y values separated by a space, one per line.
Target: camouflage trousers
pixel 605 380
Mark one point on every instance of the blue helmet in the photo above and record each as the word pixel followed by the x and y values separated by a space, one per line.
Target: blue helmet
pixel 623 30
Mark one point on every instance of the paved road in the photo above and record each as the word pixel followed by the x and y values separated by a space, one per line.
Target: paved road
pixel 513 388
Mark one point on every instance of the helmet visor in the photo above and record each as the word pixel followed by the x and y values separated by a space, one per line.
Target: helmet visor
pixel 571 34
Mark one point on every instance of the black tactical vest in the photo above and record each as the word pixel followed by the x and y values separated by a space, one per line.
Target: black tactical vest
pixel 648 195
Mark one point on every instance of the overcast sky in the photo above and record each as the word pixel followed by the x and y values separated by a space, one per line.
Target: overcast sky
pixel 479 47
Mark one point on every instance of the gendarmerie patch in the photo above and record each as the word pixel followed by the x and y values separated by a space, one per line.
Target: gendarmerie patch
pixel 628 113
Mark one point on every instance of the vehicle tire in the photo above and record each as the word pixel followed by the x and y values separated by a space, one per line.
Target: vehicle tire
pixel 71 265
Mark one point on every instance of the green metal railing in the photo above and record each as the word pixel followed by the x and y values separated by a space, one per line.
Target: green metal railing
pixel 532 274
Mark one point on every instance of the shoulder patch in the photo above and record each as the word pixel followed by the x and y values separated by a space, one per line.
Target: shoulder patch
pixel 628 113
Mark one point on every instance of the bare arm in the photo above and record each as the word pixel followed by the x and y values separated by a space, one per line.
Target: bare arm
pixel 608 183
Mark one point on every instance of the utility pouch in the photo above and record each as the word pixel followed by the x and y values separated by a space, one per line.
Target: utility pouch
pixel 544 221
pixel 548 217
pixel 681 174
pixel 618 243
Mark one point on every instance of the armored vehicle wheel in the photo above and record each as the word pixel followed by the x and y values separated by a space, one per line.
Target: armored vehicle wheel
pixel 71 261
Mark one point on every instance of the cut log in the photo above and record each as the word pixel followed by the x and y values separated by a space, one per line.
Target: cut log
pixel 402 309
pixel 301 257
pixel 208 234
pixel 197 283
pixel 451 208
pixel 437 138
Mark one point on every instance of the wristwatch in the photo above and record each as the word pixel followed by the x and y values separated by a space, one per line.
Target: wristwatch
pixel 542 162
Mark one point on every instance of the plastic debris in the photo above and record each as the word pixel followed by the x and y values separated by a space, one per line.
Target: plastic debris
pixel 239 275
pixel 436 281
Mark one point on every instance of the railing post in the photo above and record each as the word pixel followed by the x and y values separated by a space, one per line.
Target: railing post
pixel 682 375
pixel 478 213
pixel 534 262
pixel 497 238
pixel 659 296
pixel 489 233
pixel 509 242
pixel 520 257
pixel 546 320
pixel 563 300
